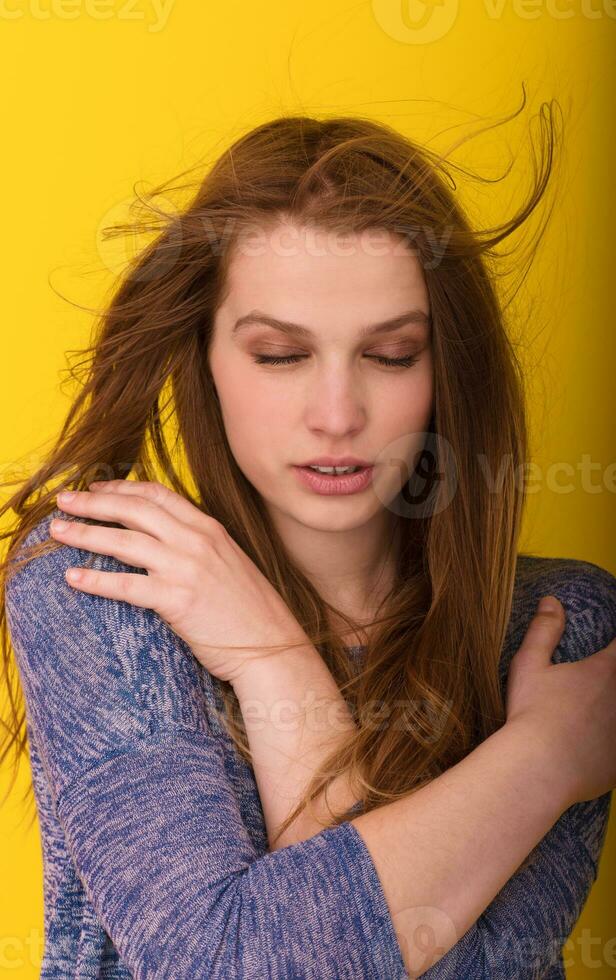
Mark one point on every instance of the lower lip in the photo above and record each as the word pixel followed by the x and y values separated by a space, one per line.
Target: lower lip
pixel 326 484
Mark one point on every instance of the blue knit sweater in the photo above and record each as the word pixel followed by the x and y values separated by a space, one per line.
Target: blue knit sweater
pixel 156 861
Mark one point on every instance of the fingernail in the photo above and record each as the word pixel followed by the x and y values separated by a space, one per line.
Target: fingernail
pixel 65 496
pixel 548 604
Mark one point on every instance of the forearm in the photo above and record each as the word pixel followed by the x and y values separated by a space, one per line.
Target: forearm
pixel 444 852
pixel 294 715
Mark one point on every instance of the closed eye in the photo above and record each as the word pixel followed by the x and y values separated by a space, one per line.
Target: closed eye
pixel 402 362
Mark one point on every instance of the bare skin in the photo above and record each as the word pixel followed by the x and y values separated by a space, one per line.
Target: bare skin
pixel 337 399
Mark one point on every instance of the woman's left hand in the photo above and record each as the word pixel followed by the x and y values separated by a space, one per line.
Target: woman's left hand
pixel 199 580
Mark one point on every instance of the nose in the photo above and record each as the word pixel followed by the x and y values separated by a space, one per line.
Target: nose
pixel 335 403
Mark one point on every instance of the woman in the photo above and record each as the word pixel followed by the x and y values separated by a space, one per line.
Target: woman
pixel 242 669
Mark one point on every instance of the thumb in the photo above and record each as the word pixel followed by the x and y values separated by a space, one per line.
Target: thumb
pixel 543 634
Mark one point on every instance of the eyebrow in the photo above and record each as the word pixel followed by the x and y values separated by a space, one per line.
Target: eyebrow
pixel 411 316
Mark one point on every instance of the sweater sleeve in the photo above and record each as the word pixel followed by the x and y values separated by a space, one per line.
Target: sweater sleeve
pixel 523 933
pixel 151 819
pixel 154 829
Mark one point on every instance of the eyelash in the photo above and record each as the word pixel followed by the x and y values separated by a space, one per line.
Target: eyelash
pixel 403 362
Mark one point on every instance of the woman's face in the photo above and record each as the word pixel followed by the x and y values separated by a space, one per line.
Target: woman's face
pixel 336 399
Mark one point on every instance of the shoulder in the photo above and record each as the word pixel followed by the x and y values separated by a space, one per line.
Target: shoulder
pixel 587 593
pixel 37 593
pixel 578 583
pixel 107 651
pixel 39 586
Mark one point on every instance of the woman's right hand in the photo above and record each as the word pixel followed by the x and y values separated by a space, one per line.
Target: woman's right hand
pixel 570 707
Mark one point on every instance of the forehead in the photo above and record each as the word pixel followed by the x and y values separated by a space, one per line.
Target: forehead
pixel 373 272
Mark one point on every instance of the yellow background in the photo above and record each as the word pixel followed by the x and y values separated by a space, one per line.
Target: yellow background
pixel 106 92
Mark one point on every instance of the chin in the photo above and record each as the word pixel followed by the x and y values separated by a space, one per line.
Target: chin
pixel 334 516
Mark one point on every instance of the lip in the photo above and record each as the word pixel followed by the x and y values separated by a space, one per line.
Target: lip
pixel 332 461
pixel 329 485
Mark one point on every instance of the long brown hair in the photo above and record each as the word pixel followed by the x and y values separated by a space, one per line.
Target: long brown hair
pixel 432 657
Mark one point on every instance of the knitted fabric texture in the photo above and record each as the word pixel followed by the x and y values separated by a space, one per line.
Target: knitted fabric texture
pixel 155 850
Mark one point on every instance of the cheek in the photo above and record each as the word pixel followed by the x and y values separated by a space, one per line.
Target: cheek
pixel 254 417
pixel 413 409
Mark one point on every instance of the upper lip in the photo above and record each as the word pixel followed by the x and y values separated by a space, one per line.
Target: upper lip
pixel 332 461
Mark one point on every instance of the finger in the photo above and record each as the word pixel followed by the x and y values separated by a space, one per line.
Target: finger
pixel 139 590
pixel 167 499
pixel 131 547
pixel 134 511
pixel 543 633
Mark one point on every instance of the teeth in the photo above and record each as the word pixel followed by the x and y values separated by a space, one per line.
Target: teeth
pixel 335 469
